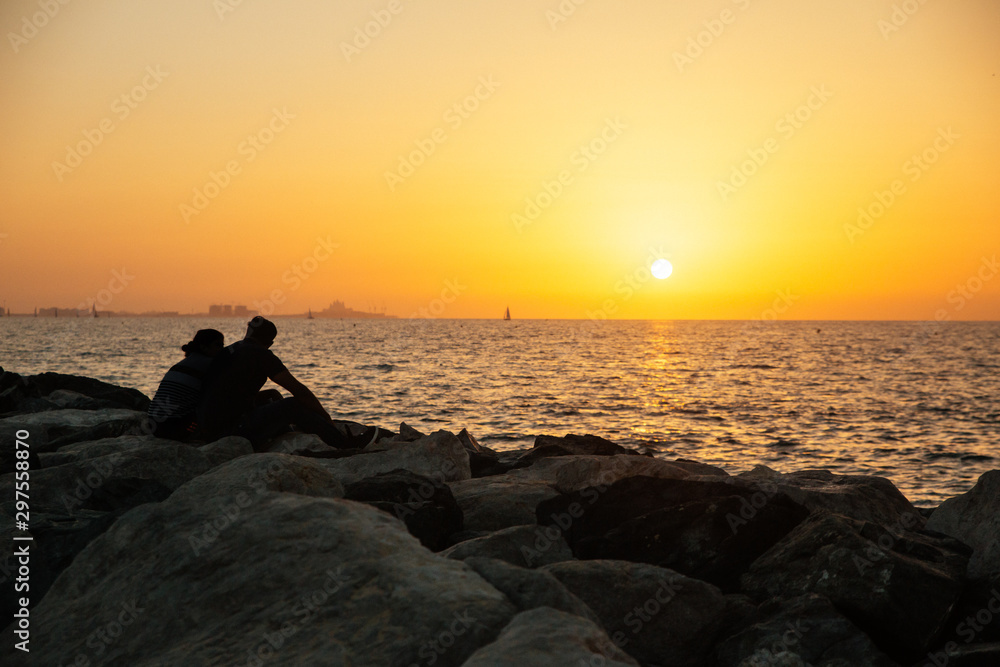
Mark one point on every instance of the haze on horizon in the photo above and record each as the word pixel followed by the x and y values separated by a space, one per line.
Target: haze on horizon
pixel 836 160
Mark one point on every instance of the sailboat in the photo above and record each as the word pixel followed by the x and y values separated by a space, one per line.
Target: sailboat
pixel 94 311
pixel 506 316
pixel 309 316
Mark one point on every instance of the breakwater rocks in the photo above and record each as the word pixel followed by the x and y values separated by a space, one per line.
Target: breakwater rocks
pixel 430 549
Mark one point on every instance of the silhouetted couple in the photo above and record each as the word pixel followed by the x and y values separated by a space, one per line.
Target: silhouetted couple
pixel 216 391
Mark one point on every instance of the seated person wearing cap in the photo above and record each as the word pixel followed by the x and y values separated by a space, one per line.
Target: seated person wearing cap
pixel 229 404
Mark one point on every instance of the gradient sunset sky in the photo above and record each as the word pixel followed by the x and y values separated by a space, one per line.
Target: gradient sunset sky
pixel 464 156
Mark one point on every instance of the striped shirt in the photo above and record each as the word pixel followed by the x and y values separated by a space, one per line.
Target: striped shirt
pixel 180 389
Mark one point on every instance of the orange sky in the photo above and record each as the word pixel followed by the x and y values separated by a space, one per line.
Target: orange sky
pixel 263 153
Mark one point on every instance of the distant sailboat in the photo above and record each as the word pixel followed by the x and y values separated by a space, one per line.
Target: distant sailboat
pixel 94 311
pixel 506 316
pixel 309 316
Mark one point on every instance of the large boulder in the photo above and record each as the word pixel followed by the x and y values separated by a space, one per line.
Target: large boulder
pixel 439 456
pixel 658 616
pixel 899 588
pixel 805 630
pixel 862 497
pixel 106 482
pixel 545 637
pixel 497 502
pixel 48 431
pixel 426 506
pixel 109 395
pixel 704 528
pixel 292 578
pixel 296 442
pixel 974 518
pixel 524 546
pixel 567 474
pixel 547 446
pixel 530 589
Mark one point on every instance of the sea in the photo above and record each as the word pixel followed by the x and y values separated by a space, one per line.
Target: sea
pixel 916 402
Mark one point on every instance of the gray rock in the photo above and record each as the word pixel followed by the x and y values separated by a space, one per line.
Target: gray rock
pixel 524 546
pixel 290 579
pixel 494 503
pixel 55 428
pixel 296 443
pixel 899 589
pixel 249 477
pixel 803 630
pixel 107 482
pixel 82 451
pixel 226 449
pixel 567 474
pixel 656 615
pixel 548 638
pixel 426 506
pixel 439 456
pixel 974 518
pixel 862 497
pixel 530 589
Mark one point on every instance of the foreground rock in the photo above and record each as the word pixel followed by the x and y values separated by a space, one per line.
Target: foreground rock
pixel 155 552
pixel 544 637
pixel 658 616
pixel 707 529
pixel 439 456
pixel 530 589
pixel 806 630
pixel 899 589
pixel 51 391
pixel 299 578
pixel 974 518
pixel 426 506
pixel 524 546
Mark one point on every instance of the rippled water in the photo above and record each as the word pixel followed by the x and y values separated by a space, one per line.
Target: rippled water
pixel 914 402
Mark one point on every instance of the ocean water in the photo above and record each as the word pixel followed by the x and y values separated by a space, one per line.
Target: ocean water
pixel 914 402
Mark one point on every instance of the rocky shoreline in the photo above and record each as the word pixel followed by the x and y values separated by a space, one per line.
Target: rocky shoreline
pixel 430 549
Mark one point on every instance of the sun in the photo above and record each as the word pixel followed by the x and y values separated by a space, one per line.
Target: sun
pixel 662 269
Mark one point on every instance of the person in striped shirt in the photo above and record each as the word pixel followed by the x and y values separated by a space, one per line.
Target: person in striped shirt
pixel 172 412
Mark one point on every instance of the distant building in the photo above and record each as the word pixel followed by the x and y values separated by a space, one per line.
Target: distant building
pixel 228 310
pixel 339 310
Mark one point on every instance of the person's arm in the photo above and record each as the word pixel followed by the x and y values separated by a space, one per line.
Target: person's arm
pixel 300 392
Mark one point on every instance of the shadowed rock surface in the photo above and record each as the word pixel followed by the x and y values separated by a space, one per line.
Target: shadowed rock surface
pixel 214 554
pixel 544 637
